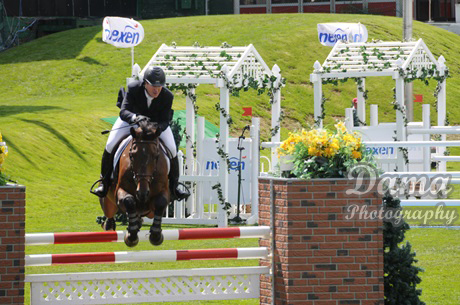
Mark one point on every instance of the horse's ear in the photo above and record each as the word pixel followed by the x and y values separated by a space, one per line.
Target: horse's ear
pixel 133 132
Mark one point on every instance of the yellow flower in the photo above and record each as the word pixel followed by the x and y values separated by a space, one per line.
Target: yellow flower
pixel 356 154
pixel 312 151
pixel 335 144
pixel 340 126
pixel 329 152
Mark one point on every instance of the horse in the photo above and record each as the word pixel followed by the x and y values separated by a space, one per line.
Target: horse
pixel 142 186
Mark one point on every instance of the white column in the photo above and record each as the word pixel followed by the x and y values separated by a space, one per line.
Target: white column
pixel 276 114
pixel 223 142
pixel 318 95
pixel 349 120
pixel 199 203
pixel 442 122
pixel 400 128
pixel 361 101
pixel 236 7
pixel 374 115
pixel 426 137
pixel 255 163
pixel 190 141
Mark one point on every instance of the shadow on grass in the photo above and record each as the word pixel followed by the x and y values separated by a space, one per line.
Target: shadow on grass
pixel 58 46
pixel 58 135
pixel 90 61
pixel 12 110
pixel 11 144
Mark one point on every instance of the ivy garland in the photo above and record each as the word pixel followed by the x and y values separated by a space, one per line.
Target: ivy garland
pixel 323 112
pixel 359 83
pixel 187 90
pixel 220 194
pixel 402 109
pixel 224 113
pixel 225 204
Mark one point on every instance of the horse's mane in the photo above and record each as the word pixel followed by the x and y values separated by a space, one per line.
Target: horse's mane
pixel 149 129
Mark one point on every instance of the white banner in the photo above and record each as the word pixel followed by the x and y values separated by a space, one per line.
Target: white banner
pixel 330 33
pixel 122 32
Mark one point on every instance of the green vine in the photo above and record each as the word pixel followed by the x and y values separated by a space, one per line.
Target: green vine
pixel 220 194
pixel 323 112
pixel 187 90
pixel 274 131
pixel 222 153
pixel 224 113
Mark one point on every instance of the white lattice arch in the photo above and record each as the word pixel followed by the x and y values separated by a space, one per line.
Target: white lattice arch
pixel 400 60
pixel 221 66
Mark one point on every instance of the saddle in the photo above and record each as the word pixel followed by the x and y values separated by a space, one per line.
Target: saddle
pixel 122 146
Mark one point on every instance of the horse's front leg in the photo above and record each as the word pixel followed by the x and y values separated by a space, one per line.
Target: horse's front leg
pixel 129 202
pixel 159 205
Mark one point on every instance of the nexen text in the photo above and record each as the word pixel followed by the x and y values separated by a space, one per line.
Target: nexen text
pixel 334 37
pixel 126 36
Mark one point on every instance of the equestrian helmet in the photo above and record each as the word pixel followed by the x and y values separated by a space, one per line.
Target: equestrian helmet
pixel 155 76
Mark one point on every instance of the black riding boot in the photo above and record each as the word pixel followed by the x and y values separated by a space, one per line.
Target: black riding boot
pixel 106 172
pixel 176 193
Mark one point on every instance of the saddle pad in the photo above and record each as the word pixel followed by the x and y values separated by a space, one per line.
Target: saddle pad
pixel 123 146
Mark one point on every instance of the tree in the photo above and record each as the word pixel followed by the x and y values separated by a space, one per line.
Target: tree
pixel 400 273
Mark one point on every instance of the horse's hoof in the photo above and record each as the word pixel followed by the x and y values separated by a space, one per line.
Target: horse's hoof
pixel 109 225
pixel 131 240
pixel 156 240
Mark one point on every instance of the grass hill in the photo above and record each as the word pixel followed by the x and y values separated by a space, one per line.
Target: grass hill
pixel 54 90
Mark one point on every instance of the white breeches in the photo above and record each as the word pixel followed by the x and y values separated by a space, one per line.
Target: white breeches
pixel 115 136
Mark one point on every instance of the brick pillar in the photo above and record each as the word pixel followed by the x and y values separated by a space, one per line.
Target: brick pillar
pixel 12 240
pixel 321 258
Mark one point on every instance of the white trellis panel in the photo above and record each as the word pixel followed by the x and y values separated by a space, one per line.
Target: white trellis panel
pixel 204 64
pixel 146 286
pixel 376 59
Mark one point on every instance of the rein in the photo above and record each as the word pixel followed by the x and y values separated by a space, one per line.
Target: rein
pixel 136 176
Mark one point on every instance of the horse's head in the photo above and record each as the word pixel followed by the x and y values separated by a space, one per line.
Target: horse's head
pixel 144 154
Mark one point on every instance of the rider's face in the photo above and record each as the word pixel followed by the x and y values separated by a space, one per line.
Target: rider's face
pixel 153 91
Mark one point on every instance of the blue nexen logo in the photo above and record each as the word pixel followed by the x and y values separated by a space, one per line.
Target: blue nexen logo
pixel 339 34
pixel 234 164
pixel 128 35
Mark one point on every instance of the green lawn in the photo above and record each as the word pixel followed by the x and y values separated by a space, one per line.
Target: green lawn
pixel 55 90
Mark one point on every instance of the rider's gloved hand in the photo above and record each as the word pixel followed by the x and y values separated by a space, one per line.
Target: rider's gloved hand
pixel 141 118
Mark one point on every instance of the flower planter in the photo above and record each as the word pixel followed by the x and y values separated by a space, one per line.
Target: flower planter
pixel 286 163
pixel 320 256
pixel 12 218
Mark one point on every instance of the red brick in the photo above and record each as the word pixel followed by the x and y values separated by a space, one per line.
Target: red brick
pixel 17 196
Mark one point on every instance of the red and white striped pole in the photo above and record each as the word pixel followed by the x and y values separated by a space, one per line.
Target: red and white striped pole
pixel 118 236
pixel 145 256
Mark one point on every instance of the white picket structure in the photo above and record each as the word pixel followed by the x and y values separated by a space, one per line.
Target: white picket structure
pixel 122 287
pixel 145 286
pixel 223 67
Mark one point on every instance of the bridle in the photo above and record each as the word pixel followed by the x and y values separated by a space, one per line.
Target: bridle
pixel 137 176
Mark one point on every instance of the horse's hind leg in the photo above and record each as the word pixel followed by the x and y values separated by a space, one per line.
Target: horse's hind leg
pixel 128 200
pixel 160 204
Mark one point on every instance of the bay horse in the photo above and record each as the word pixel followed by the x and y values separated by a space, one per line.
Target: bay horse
pixel 142 186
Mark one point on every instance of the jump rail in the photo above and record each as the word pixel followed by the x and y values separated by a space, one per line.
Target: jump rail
pixel 145 256
pixel 118 236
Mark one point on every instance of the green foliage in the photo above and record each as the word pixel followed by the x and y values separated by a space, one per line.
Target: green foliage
pixel 319 153
pixel 401 274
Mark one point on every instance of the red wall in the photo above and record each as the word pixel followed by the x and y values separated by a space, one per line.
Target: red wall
pixel 380 8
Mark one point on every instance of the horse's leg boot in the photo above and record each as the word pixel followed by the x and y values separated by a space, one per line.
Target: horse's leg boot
pixel 106 172
pixel 176 193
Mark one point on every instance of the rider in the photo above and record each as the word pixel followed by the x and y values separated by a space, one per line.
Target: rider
pixel 147 99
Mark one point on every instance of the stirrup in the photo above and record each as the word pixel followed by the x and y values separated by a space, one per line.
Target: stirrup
pixel 92 186
pixel 94 192
pixel 185 193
